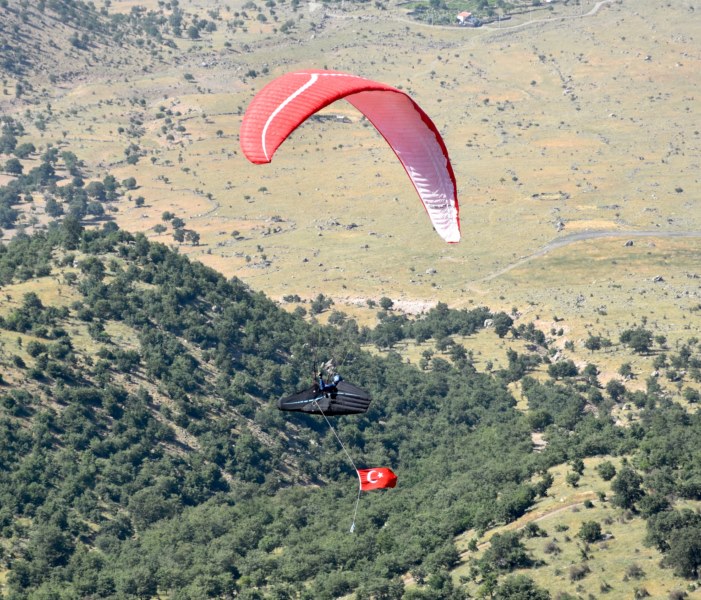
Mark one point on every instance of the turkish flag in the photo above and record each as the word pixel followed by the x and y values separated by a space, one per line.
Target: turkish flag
pixel 375 479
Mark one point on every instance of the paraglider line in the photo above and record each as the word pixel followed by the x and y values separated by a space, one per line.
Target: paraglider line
pixel 360 481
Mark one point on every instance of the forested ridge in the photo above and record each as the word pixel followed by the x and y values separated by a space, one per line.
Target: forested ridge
pixel 165 467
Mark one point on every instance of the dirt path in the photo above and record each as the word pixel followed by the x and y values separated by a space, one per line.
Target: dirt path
pixel 534 517
pixel 591 13
pixel 558 509
pixel 588 235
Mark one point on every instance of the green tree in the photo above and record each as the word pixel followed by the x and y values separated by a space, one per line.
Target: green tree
pixel 320 304
pixel 592 343
pixel 615 389
pixel 563 369
pixel 95 209
pixel 8 143
pixel 572 479
pixel 93 267
pixel 515 502
pixel 691 395
pixel 627 488
pixel 129 183
pixel 502 324
pixel 386 303
pixel 149 505
pixel 606 470
pixel 13 167
pixel 638 339
pixel 506 552
pixel 626 371
pixel 96 190
pixel 50 546
pixel 590 532
pixel 71 230
pixel 651 504
pixel 541 487
pixel 520 587
pixel 24 150
pixel 193 237
pixel 577 465
pixel 53 208
pixel 591 372
pixel 684 554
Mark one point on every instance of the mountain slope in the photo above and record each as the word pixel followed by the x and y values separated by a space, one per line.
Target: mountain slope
pixel 138 397
pixel 48 47
pixel 142 453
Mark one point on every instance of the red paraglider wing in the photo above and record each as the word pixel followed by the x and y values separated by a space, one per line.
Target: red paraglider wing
pixel 285 103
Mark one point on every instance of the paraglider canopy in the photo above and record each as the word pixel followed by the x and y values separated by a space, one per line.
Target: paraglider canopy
pixel 286 102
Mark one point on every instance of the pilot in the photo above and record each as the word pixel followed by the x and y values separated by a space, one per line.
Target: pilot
pixel 331 386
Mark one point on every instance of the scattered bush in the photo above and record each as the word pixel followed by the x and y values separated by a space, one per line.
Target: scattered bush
pixel 578 572
pixel 552 548
pixel 634 571
pixel 606 470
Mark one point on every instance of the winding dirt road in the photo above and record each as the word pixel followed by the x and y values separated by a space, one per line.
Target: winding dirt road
pixel 590 13
pixel 589 235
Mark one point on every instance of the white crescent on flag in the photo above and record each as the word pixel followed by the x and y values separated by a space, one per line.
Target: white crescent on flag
pixel 370 479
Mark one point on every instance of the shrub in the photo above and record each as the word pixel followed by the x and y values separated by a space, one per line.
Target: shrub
pixel 590 532
pixel 606 470
pixel 635 571
pixel 532 530
pixel 552 548
pixel 578 572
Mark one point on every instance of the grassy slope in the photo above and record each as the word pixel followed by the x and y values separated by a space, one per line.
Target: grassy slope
pixel 53 292
pixel 609 561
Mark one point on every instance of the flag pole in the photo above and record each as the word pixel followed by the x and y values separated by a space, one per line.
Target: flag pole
pixel 360 481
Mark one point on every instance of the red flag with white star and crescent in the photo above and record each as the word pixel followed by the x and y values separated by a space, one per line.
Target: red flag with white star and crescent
pixel 375 479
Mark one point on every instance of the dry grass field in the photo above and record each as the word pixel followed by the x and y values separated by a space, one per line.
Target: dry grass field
pixel 570 125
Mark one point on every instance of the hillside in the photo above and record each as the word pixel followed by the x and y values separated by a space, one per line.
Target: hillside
pixel 137 396
pixel 139 434
pixel 158 294
pixel 50 47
